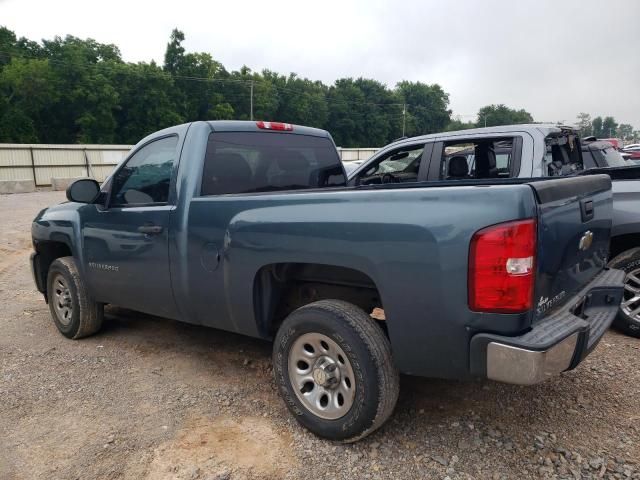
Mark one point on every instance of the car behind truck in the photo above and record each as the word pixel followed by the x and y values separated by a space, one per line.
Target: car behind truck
pixel 251 227
pixel 524 151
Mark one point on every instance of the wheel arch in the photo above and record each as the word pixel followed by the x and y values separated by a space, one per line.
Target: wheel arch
pixel 622 243
pixel 280 288
pixel 48 251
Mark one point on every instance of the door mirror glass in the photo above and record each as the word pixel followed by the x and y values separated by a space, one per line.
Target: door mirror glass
pixel 85 190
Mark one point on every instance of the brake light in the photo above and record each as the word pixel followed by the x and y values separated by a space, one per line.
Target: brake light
pixel 283 127
pixel 502 267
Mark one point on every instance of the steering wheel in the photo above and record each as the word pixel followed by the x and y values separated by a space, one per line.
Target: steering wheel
pixel 388 178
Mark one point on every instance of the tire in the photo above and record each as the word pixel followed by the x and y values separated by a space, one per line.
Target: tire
pixel 74 313
pixel 626 321
pixel 363 372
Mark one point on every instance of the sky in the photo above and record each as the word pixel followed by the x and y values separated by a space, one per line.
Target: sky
pixel 552 58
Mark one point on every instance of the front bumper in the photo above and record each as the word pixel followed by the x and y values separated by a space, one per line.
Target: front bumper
pixel 556 343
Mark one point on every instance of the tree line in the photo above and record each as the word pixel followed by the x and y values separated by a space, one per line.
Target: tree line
pixel 72 90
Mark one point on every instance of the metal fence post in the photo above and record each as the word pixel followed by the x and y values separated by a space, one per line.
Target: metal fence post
pixel 88 164
pixel 33 168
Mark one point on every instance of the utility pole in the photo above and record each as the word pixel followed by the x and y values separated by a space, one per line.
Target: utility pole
pixel 485 121
pixel 251 102
pixel 404 117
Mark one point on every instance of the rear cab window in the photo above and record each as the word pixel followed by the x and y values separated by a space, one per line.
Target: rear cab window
pixel 480 158
pixel 563 155
pixel 252 162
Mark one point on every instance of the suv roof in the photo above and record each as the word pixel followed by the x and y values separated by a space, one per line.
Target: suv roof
pixel 544 128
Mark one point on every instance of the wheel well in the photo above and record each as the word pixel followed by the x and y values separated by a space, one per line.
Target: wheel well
pixel 622 243
pixel 47 253
pixel 281 288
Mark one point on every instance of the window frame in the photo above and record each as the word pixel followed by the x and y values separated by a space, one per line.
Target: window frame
pixel 423 166
pixel 435 168
pixel 109 203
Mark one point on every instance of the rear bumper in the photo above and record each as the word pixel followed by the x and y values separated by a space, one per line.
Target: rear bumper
pixel 557 343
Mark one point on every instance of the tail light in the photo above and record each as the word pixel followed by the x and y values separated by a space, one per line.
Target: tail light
pixel 502 267
pixel 283 127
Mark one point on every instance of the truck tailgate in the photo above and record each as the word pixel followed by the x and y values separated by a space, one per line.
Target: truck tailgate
pixel 574 224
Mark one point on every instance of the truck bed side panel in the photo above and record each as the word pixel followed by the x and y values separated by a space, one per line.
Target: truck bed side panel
pixel 412 243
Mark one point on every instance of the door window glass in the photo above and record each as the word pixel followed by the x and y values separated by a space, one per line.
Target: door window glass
pixel 145 178
pixel 397 166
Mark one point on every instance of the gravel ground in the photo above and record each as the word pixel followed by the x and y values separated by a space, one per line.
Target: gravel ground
pixel 153 398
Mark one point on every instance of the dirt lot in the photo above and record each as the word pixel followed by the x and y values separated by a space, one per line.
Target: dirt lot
pixel 152 398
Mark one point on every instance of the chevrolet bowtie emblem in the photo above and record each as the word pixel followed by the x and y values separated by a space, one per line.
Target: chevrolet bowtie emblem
pixel 586 240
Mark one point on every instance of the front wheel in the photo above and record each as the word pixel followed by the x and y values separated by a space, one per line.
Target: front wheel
pixel 628 319
pixel 74 313
pixel 333 367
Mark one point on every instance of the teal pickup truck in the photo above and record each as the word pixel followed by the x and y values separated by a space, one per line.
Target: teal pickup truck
pixel 251 227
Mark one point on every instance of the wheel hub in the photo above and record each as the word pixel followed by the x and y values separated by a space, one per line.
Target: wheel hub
pixel 62 300
pixel 631 300
pixel 321 375
pixel 326 373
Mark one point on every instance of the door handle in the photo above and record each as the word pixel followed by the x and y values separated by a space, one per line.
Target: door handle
pixel 150 229
pixel 586 210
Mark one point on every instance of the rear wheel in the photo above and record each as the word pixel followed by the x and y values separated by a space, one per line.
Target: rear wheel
pixel 628 318
pixel 333 367
pixel 74 313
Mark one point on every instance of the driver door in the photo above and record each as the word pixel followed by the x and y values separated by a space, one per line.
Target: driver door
pixel 126 242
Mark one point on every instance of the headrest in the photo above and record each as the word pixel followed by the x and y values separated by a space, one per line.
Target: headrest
pixel 458 166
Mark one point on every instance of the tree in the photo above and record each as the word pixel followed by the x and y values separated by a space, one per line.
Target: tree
pixel 584 124
pixel 609 127
pixel 145 101
pixel 625 131
pixel 493 115
pixel 457 124
pixel 70 89
pixel 427 107
pixel 174 53
pixel 596 129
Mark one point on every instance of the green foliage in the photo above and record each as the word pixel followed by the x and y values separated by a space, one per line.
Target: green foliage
pixel 609 127
pixel 68 90
pixel 596 127
pixel 457 124
pixel 74 90
pixel 584 124
pixel 625 131
pixel 428 110
pixel 493 115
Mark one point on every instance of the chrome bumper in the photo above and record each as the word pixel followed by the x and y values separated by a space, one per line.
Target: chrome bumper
pixel 509 364
pixel 555 343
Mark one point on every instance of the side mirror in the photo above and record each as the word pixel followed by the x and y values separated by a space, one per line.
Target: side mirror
pixel 85 190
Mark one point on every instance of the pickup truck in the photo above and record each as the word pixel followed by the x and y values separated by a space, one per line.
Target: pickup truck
pixel 524 151
pixel 250 227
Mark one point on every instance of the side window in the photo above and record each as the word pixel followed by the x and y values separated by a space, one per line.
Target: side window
pixel 477 159
pixel 398 166
pixel 145 178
